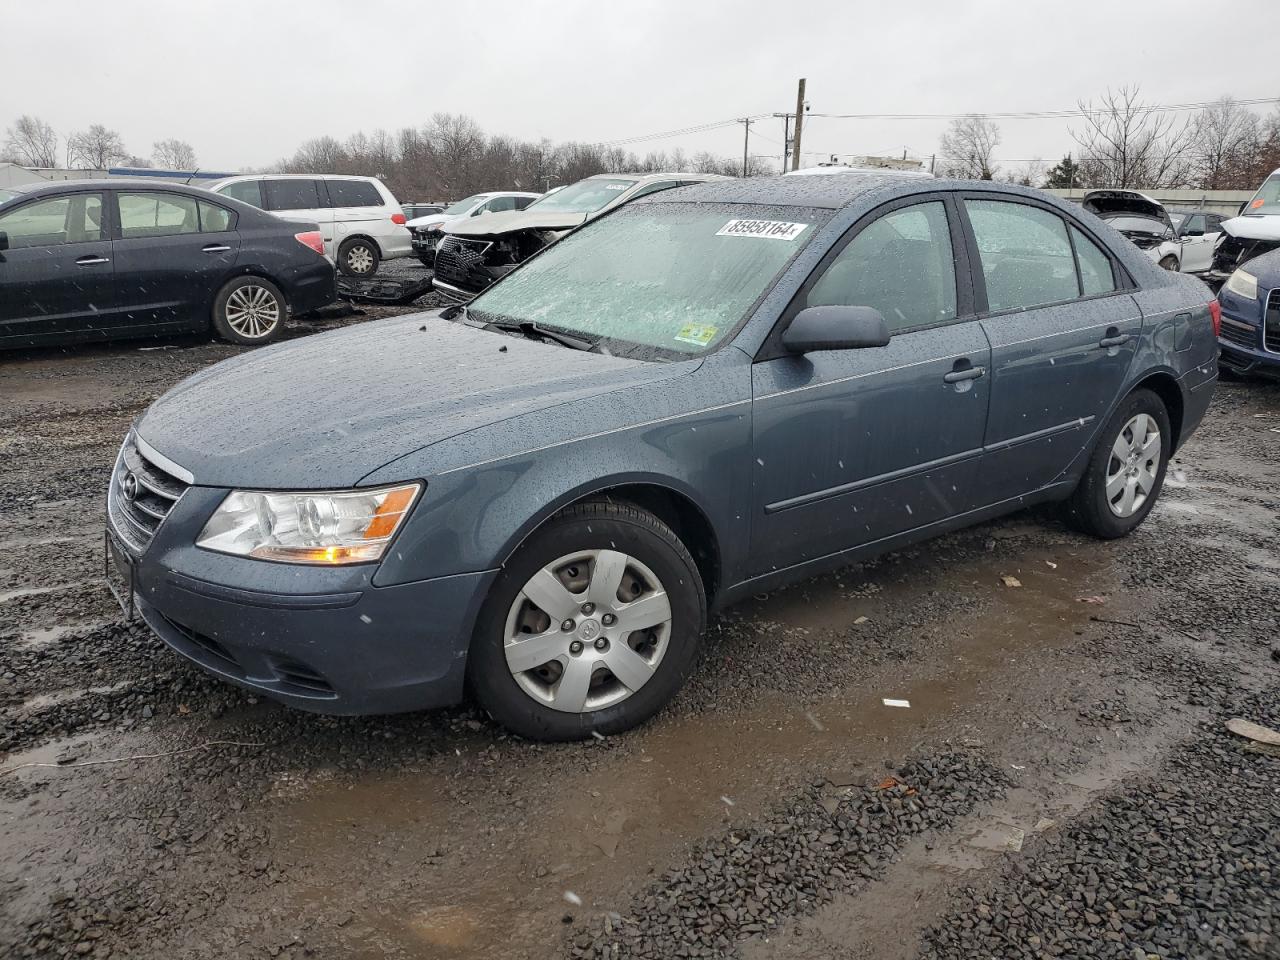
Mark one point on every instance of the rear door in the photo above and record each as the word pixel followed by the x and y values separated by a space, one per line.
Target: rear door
pixel 305 200
pixel 1063 332
pixel 58 276
pixel 357 208
pixel 173 252
pixel 853 446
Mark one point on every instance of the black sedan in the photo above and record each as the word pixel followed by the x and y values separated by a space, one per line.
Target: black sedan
pixel 107 259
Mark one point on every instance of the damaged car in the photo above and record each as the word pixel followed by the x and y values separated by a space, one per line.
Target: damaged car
pixel 542 494
pixel 1142 220
pixel 424 230
pixel 471 254
pixel 1254 232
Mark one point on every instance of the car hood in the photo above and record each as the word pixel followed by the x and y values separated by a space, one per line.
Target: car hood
pixel 428 220
pixel 1107 203
pixel 1253 228
pixel 513 221
pixel 326 410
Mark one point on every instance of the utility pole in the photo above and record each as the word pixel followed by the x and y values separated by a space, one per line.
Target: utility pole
pixel 746 139
pixel 795 148
pixel 932 160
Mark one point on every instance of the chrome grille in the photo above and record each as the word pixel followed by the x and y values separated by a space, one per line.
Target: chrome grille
pixel 455 257
pixel 1271 322
pixel 140 497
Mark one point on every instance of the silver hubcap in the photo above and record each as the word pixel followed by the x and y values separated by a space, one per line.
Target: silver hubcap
pixel 1134 463
pixel 252 311
pixel 587 631
pixel 360 259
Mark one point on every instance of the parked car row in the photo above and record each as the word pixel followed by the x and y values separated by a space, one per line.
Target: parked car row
pixel 1174 239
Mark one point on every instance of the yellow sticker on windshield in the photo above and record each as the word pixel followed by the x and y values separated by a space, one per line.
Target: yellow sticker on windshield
pixel 699 334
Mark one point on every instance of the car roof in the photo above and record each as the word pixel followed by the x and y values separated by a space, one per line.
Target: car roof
pixel 650 177
pixel 130 183
pixel 291 176
pixel 829 193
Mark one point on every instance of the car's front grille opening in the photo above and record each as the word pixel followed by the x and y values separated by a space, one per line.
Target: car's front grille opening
pixel 455 258
pixel 300 675
pixel 140 496
pixel 205 643
pixel 1239 334
pixel 1271 325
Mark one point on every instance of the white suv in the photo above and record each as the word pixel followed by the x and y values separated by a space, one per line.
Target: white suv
pixel 361 222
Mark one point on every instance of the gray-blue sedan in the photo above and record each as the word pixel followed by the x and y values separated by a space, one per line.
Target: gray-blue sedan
pixel 702 395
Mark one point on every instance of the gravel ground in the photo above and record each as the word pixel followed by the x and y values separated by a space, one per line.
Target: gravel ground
pixel 1091 697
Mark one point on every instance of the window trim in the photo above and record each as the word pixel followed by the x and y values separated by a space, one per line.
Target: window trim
pixel 108 218
pixel 772 347
pixel 1123 280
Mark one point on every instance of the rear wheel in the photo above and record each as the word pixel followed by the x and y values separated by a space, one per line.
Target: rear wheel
pixel 1125 473
pixel 249 311
pixel 592 627
pixel 358 257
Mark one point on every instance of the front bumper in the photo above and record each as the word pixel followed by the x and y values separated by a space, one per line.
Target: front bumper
pixel 328 640
pixel 1250 337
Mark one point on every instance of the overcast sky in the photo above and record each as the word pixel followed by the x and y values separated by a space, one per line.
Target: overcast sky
pixel 245 82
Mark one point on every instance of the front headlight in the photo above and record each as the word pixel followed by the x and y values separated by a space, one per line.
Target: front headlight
pixel 349 526
pixel 1243 284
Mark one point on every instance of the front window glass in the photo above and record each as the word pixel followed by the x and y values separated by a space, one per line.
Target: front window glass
pixel 1266 202
pixel 75 218
pixel 157 215
pixel 656 280
pixel 901 264
pixel 585 196
pixel 1026 257
pixel 247 191
pixel 463 207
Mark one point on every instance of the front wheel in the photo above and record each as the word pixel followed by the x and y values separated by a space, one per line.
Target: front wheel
pixel 1169 263
pixel 1125 472
pixel 358 258
pixel 249 311
pixel 592 627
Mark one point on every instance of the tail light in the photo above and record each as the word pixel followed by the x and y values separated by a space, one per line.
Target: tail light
pixel 1215 314
pixel 398 218
pixel 312 239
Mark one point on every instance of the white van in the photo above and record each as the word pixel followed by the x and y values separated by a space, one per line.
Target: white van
pixel 361 222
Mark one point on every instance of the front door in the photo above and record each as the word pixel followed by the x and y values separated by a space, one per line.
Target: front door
pixel 853 446
pixel 57 276
pixel 168 265
pixel 1063 335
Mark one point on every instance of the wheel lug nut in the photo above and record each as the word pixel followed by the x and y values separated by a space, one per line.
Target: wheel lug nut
pixel 608 619
pixel 576 647
pixel 566 626
pixel 588 608
pixel 602 643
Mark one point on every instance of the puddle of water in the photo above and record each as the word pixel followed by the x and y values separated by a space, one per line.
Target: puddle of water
pixel 37 638
pixel 610 822
pixel 42 701
pixel 6 595
pixel 65 750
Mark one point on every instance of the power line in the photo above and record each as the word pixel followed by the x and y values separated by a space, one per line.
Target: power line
pixel 1036 114
pixel 698 128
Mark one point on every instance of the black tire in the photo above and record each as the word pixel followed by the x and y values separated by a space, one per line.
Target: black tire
pixel 594 525
pixel 232 320
pixel 1089 510
pixel 365 255
pixel 1170 263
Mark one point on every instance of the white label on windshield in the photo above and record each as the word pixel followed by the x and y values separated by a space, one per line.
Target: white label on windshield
pixel 769 229
pixel 616 186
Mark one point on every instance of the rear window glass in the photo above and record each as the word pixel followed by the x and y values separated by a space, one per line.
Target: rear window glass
pixel 156 215
pixel 1026 257
pixel 213 218
pixel 353 193
pixel 292 195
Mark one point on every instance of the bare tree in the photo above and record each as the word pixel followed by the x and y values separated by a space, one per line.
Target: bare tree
pixel 1226 137
pixel 1126 143
pixel 31 142
pixel 1030 173
pixel 319 155
pixel 174 154
pixel 96 148
pixel 967 147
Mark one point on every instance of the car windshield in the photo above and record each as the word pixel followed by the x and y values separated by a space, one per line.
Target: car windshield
pixel 462 206
pixel 1176 219
pixel 1266 202
pixel 585 196
pixel 655 281
pixel 7 195
pixel 1130 222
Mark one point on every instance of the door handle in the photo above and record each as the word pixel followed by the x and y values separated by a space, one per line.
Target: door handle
pixel 968 373
pixel 216 248
pixel 90 259
pixel 1114 340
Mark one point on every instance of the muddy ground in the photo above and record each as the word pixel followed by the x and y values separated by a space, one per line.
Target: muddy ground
pixel 1060 784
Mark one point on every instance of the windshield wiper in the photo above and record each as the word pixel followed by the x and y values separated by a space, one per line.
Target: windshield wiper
pixel 532 331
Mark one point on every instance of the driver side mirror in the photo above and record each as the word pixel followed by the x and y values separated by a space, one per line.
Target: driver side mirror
pixel 835 328
pixel 4 240
pixel 1242 208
